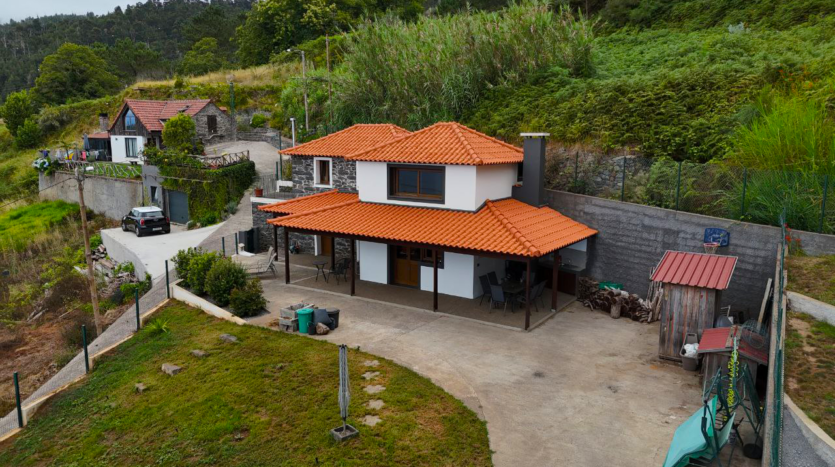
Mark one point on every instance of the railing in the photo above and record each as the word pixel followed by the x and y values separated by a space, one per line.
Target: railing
pixel 224 160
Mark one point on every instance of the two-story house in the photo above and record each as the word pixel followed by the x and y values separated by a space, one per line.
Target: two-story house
pixel 139 123
pixel 437 209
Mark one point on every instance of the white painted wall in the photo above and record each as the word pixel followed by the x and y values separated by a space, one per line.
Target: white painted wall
pixel 459 186
pixel 374 265
pixel 117 144
pixel 494 182
pixel 456 278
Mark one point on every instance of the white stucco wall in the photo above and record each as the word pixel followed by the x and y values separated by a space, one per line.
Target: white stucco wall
pixel 494 182
pixel 374 262
pixel 117 144
pixel 456 278
pixel 459 186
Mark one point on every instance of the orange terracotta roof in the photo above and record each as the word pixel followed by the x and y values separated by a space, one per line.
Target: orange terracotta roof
pixel 99 135
pixel 150 113
pixel 309 203
pixel 348 141
pixel 507 226
pixel 443 143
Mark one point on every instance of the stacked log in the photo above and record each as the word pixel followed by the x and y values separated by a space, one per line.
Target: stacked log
pixel 618 302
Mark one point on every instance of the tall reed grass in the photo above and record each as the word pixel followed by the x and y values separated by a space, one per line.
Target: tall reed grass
pixel 434 69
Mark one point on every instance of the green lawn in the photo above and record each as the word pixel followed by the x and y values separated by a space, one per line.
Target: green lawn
pixel 813 276
pixel 20 226
pixel 268 399
pixel 810 368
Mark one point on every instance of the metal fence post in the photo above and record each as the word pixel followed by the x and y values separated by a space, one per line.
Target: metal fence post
pixel 623 180
pixel 223 245
pixel 744 188
pixel 17 401
pixel 236 243
pixel 136 299
pixel 86 354
pixel 823 203
pixel 678 184
pixel 276 170
pixel 167 282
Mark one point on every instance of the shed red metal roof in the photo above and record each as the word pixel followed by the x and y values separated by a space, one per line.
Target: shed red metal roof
pixel 695 269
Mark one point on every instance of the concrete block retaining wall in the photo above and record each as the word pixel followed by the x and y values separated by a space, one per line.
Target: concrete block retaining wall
pixel 633 238
pixel 112 197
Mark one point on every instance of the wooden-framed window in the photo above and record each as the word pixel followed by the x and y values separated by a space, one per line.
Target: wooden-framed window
pixel 131 148
pixel 211 124
pixel 130 121
pixel 322 172
pixel 426 257
pixel 411 182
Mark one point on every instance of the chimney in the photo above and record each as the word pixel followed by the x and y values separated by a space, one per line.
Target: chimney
pixel 104 122
pixel 532 190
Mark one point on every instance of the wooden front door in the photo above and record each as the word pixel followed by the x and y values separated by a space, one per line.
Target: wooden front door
pixel 326 246
pixel 407 266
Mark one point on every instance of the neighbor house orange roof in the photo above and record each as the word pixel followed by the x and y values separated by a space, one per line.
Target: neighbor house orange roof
pixel 507 226
pixel 152 113
pixel 443 143
pixel 309 203
pixel 348 141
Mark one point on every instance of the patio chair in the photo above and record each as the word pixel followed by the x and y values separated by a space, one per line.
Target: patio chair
pixel 493 278
pixel 536 292
pixel 341 268
pixel 698 440
pixel 497 295
pixel 485 288
pixel 264 265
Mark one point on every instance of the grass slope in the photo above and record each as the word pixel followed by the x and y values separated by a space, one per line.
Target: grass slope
pixel 20 226
pixel 269 399
pixel 810 368
pixel 813 276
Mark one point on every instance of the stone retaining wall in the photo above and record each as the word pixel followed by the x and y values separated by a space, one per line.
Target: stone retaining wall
pixel 111 197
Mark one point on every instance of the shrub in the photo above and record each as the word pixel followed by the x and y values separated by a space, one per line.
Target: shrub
pixel 249 300
pixel 180 133
pixel 198 270
pixel 28 135
pixel 257 121
pixel 157 326
pixel 182 260
pixel 129 290
pixel 71 332
pixel 224 277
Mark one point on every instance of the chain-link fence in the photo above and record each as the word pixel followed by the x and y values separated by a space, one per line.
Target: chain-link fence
pixel 718 190
pixel 121 329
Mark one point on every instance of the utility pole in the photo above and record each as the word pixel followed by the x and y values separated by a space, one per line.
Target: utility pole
pixel 304 78
pixel 330 102
pixel 79 176
pixel 293 128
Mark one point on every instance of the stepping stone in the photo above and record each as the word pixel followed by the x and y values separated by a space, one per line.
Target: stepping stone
pixel 370 374
pixel 375 404
pixel 198 353
pixel 374 389
pixel 140 388
pixel 371 420
pixel 371 363
pixel 228 338
pixel 170 369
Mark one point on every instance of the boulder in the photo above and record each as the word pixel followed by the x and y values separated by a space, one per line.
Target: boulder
pixel 322 329
pixel 170 369
pixel 228 338
pixel 140 388
pixel 198 353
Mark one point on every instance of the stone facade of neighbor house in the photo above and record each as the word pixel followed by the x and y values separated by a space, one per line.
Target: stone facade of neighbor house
pixel 344 175
pixel 226 129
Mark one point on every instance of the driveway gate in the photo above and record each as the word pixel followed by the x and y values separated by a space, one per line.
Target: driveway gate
pixel 178 207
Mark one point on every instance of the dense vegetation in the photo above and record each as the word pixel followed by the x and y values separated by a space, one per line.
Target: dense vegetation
pixel 268 399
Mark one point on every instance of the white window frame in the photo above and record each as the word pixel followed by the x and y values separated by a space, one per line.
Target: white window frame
pixel 316 161
pixel 135 145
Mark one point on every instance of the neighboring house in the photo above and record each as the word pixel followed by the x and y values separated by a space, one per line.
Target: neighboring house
pixel 443 205
pixel 139 123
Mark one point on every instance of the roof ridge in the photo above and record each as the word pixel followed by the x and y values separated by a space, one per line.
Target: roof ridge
pixel 512 228
pixel 386 143
pixel 495 140
pixel 291 201
pixel 276 220
pixel 456 127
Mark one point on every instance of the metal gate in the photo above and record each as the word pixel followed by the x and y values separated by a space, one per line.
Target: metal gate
pixel 178 207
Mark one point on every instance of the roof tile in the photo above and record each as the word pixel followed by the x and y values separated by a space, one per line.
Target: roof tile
pixel 348 141
pixel 309 203
pixel 151 112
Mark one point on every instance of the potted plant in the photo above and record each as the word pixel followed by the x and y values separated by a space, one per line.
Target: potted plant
pixel 259 192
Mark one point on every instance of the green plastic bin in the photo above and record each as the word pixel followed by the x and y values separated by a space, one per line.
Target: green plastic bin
pixel 610 285
pixel 305 316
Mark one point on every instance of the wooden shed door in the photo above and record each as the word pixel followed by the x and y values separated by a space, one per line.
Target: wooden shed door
pixel 684 310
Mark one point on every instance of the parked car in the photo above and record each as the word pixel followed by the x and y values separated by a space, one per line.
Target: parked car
pixel 146 220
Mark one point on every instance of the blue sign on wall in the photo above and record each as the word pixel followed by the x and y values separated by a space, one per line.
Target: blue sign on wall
pixel 717 235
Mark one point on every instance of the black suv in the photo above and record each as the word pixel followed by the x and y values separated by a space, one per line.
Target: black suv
pixel 146 220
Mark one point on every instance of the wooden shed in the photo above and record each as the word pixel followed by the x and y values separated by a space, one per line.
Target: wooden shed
pixel 693 283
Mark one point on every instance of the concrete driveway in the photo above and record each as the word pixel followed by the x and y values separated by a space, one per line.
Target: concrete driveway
pixel 580 390
pixel 148 254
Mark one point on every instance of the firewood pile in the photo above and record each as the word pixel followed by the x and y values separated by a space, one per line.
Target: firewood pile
pixel 618 302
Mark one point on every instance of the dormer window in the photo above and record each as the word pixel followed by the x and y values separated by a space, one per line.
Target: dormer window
pixel 419 183
pixel 130 121
pixel 322 172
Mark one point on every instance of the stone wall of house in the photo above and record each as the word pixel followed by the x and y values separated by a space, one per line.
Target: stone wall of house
pixel 344 175
pixel 226 128
pixel 305 242
pixel 632 239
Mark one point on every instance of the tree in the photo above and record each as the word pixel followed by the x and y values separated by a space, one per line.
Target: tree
pixel 216 22
pixel 179 133
pixel 202 58
pixel 28 135
pixel 131 60
pixel 17 108
pixel 73 73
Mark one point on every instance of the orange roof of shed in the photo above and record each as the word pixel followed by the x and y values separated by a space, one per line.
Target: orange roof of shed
pixel 507 226
pixel 443 143
pixel 309 203
pixel 695 269
pixel 345 142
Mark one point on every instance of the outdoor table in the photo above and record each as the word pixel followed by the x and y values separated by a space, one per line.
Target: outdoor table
pixel 512 289
pixel 320 267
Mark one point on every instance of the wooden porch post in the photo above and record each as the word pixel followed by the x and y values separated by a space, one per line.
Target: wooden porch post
pixel 557 263
pixel 333 252
pixel 353 267
pixel 435 279
pixel 286 256
pixel 528 295
pixel 275 242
